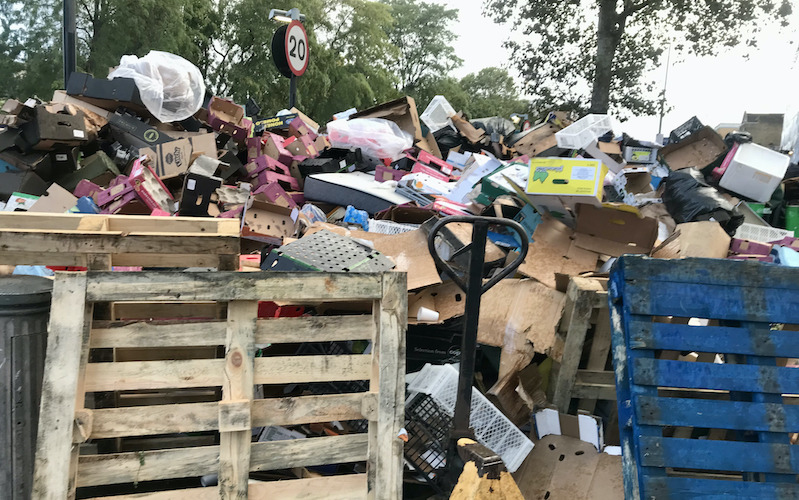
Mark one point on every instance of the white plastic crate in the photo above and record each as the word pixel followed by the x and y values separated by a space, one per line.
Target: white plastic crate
pixel 390 227
pixel 491 427
pixel 763 234
pixel 584 131
pixel 436 114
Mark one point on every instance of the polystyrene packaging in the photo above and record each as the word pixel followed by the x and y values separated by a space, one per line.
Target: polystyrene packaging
pixel 375 136
pixel 171 87
pixel 437 114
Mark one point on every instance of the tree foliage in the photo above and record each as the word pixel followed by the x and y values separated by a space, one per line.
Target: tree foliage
pixel 489 92
pixel 594 54
pixel 421 32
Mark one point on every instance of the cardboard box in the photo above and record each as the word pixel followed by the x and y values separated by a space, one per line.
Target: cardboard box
pixel 699 150
pixel 55 124
pixel 196 196
pixel 22 182
pixel 613 232
pixel 273 146
pixel 747 247
pixel 20 202
pixel 467 130
pixel 695 239
pixel 401 111
pixel 97 168
pixel 37 162
pixel 275 122
pixel 150 189
pixel 268 222
pixel 586 428
pixel 131 131
pixel 104 93
pixel 537 140
pixel 228 117
pixel 171 159
pixel 571 180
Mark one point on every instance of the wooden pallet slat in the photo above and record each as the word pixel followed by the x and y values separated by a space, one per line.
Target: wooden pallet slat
pixel 153 431
pixel 741 415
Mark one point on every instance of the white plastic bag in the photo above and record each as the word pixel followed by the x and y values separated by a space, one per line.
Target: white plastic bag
pixel 375 136
pixel 171 87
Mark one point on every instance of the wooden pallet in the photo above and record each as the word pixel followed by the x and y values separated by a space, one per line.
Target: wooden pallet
pixel 745 406
pixel 66 422
pixel 585 325
pixel 101 241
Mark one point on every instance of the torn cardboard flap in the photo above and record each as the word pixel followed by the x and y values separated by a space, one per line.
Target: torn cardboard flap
pixel 401 111
pixel 695 239
pixel 56 200
pixel 173 158
pixel 409 252
pixel 516 311
pixel 587 428
pixel 613 232
pixel 699 150
pixel 472 134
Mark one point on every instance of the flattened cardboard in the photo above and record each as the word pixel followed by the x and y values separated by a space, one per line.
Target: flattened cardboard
pixel 447 299
pixel 409 252
pixel 537 140
pixel 263 221
pixel 472 134
pixel 699 150
pixel 56 200
pixel 613 232
pixel 554 252
pixel 401 111
pixel 60 96
pixel 517 311
pixel 695 239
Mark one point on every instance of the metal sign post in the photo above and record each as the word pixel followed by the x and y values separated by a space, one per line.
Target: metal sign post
pixel 290 50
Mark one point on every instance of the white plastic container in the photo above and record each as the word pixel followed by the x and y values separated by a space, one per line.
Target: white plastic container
pixel 755 172
pixel 491 427
pixel 584 131
pixel 436 114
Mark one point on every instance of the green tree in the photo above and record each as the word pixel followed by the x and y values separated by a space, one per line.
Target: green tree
pixel 492 92
pixel 30 48
pixel 421 32
pixel 592 55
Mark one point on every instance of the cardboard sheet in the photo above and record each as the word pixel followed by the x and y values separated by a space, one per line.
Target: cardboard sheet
pixel 613 232
pixel 695 239
pixel 56 200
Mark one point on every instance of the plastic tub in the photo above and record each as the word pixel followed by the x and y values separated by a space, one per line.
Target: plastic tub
pixel 584 131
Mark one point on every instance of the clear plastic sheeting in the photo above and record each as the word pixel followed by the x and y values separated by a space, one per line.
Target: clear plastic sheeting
pixel 375 136
pixel 171 87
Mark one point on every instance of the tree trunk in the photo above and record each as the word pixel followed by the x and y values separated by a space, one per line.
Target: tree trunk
pixel 607 40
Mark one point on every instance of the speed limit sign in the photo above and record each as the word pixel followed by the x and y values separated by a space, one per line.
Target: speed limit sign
pixel 297 52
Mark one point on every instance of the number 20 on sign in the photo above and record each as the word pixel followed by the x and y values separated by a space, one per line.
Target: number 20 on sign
pixel 297 52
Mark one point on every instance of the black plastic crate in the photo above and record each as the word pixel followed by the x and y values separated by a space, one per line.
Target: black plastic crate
pixel 686 129
pixel 428 429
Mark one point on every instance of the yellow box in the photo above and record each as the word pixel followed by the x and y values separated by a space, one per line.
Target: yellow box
pixel 571 179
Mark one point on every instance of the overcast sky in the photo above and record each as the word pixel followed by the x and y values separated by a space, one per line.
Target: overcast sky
pixel 716 89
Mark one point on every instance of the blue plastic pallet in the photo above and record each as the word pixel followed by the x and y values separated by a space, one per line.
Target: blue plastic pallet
pixel 750 302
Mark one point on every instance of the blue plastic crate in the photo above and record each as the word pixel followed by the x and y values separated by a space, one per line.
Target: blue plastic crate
pixel 749 308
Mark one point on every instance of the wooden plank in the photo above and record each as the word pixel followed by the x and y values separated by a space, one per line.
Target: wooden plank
pixel 151 465
pixel 237 394
pixel 119 223
pixel 594 384
pixel 309 452
pixel 314 329
pixel 682 487
pixel 699 300
pixel 745 378
pixel 116 243
pixel 770 417
pixel 346 487
pixel 573 349
pixel 389 362
pixel 718 455
pixel 166 310
pixel 197 417
pixel 168 334
pixel 61 376
pixel 225 286
pixel 731 340
pixel 171 260
pixel 175 374
pixel 598 354
pixel 710 272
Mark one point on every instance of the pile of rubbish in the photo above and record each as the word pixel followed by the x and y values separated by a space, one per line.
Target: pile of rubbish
pixel 361 192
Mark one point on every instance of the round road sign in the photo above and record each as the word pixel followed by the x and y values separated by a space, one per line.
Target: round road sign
pixel 297 52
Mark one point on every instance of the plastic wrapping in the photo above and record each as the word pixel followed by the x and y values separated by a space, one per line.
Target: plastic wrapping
pixel 171 87
pixel 375 136
pixel 688 198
